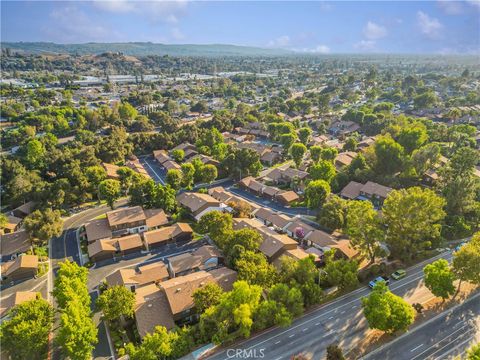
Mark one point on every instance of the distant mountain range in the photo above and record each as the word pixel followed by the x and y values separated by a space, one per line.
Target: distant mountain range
pixel 143 48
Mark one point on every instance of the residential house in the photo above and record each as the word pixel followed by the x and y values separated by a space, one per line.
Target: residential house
pixel 203 258
pixel 14 244
pixel 273 246
pixel 250 184
pixel 344 249
pixel 144 275
pixel 23 210
pixel 21 268
pixel 286 197
pixel 344 159
pixel 15 299
pixel 200 204
pixel 96 230
pixel 295 227
pixel 372 191
pixel 136 166
pixel 176 232
pixel 12 225
pixel 108 248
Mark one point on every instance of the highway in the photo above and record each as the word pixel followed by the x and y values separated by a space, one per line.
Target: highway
pixel 445 336
pixel 340 321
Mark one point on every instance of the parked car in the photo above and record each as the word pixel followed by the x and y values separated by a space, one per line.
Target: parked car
pixel 372 283
pixel 399 274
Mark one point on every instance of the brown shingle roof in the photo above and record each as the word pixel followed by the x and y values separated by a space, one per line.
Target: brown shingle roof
pixel 372 188
pixel 152 309
pixel 125 215
pixel 13 243
pixel 179 290
pixel 155 217
pixel 287 196
pixel 129 242
pixel 121 277
pixel 16 299
pixel 194 201
pixel 352 190
pixel 346 248
pixel 98 229
pixel 321 238
pixel 99 246
pixel 224 277
pixel 154 272
pixel 12 222
pixel 272 245
pixel 21 262
pixel 184 262
pixel 111 170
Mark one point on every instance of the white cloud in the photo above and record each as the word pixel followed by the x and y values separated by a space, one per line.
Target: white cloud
pixel 155 11
pixel 429 26
pixel 450 7
pixel 365 45
pixel 474 3
pixel 321 49
pixel 374 31
pixel 281 41
pixel 177 34
pixel 70 24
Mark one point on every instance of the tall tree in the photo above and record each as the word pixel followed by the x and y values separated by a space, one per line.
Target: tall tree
pixel 109 190
pixel 323 170
pixel 466 262
pixel 297 151
pixel 44 224
pixel 24 334
pixel 439 278
pixel 386 311
pixel 207 296
pixel 412 218
pixel 333 213
pixel 363 228
pixel 389 156
pixel 316 192
pixel 117 301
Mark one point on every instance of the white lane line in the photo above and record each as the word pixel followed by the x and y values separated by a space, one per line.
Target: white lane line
pixel 468 333
pixel 343 312
pixel 448 256
pixel 277 342
pixel 438 342
pixel 331 317
pixel 416 348
pixel 304 329
pixel 291 335
pixel 158 176
pixel 456 347
pixel 327 334
pixel 354 306
pixel 316 324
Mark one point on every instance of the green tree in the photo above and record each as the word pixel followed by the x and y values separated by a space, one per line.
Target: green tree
pixel 95 175
pixel 218 225
pixel 44 224
pixel 127 112
pixel 174 178
pixel 24 334
pixel 208 173
pixel 316 192
pixel 297 151
pixel 304 135
pixel 70 284
pixel 466 262
pixel 333 213
pixel 341 273
pixel 412 219
pixel 109 190
pixel 241 163
pixel 413 137
pixel 329 153
pixel 363 228
pixel 178 155
pixel 386 311
pixel 474 352
pixel 439 278
pixel 117 301
pixel 287 140
pixel 323 170
pixel 188 174
pixel 207 296
pixel 232 317
pixel 289 297
pixel 389 156
pixel 35 154
pixel 315 152
pixel 77 334
pixel 254 268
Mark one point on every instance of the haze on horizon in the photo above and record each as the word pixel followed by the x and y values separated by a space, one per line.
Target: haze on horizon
pixel 443 27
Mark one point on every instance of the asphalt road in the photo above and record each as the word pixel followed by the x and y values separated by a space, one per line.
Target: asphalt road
pixel 445 336
pixel 340 321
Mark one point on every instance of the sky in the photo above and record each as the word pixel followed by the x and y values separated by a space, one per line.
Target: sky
pixel 436 26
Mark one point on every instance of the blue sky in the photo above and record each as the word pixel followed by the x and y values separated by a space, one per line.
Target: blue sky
pixel 314 26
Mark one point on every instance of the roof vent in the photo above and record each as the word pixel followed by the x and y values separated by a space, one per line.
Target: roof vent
pixel 178 289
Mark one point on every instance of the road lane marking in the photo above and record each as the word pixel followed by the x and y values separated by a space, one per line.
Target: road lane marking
pixel 305 329
pixel 277 342
pixel 446 255
pixel 468 333
pixel 343 312
pixel 456 347
pixel 416 348
pixel 327 334
pixel 316 324
pixel 438 342
pixel 331 317
pixel 291 335
pixel 158 176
